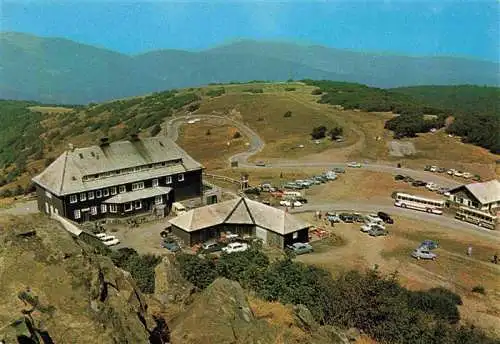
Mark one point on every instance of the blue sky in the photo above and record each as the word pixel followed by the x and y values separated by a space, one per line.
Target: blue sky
pixel 457 28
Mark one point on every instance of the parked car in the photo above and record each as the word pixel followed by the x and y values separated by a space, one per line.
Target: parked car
pixel 172 246
pixel 107 237
pixel 301 200
pixel 260 163
pixel 101 235
pixel 354 164
pixel 458 174
pixel 331 216
pixel 418 183
pixel 451 171
pixel 441 190
pixel 433 169
pixel 373 218
pixel 422 253
pixel 232 236
pixel 367 227
pixel 429 245
pixel 432 186
pixel 346 217
pixel 399 177
pixel 286 203
pixel 304 183
pixel 211 246
pixel 111 242
pixel 467 175
pixel 300 248
pixel 385 217
pixel 338 170
pixel 427 168
pixel 235 247
pixel 441 170
pixel 375 232
pixel 321 179
pixel 357 217
pixel 409 179
pixel 292 186
pixel 330 175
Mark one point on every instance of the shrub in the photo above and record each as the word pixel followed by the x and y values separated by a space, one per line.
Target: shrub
pixel 193 107
pixel 318 132
pixel 245 267
pixel 236 135
pixel 254 90
pixel 335 132
pixel 288 114
pixel 479 289
pixel 439 304
pixel 200 272
pixel 216 92
pixel 155 130
pixel 316 92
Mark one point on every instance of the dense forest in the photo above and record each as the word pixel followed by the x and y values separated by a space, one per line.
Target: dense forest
pixel 475 108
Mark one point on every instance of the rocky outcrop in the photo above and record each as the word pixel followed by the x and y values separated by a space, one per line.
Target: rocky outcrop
pixel 66 290
pixel 319 334
pixel 221 314
pixel 170 286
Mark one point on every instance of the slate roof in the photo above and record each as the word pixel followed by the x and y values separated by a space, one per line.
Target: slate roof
pixel 138 194
pixel 485 193
pixel 239 211
pixel 65 175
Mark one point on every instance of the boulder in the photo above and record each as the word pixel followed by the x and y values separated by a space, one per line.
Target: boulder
pixel 304 318
pixel 221 314
pixel 170 285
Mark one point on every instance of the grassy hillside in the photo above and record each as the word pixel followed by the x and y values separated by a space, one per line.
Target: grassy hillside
pixel 57 70
pixel 283 114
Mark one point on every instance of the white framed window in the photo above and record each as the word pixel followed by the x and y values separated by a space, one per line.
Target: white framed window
pixel 155 182
pixel 113 208
pixel 129 206
pixel 83 196
pixel 168 179
pixel 104 208
pixel 158 200
pixel 93 210
pixel 73 198
pixel 138 204
pixel 113 190
pixel 105 192
pixel 91 195
pixel 137 186
pixel 77 214
pixel 122 189
pixel 98 194
pixel 180 177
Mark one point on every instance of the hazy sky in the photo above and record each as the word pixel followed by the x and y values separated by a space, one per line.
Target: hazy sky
pixel 460 28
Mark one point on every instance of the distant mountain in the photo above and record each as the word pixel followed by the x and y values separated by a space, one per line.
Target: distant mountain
pixel 58 70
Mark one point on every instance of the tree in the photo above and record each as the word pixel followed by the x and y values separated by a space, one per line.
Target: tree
pixel 335 132
pixel 318 132
pixel 288 114
pixel 236 135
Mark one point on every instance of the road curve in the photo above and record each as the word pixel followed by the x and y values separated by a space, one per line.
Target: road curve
pixel 257 144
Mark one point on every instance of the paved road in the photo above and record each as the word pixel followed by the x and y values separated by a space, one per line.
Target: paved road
pixel 387 207
pixel 257 144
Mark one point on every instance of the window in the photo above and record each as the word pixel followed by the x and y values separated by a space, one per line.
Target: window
pixel 93 210
pixel 48 194
pixel 138 204
pixel 168 179
pixel 83 196
pixel 158 200
pixel 103 208
pixel 77 214
pixel 113 190
pixel 91 195
pixel 113 208
pixel 98 194
pixel 105 192
pixel 73 199
pixel 155 182
pixel 122 188
pixel 180 177
pixel 295 235
pixel 137 186
pixel 128 206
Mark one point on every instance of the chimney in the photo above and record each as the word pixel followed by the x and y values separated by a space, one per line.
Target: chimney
pixel 104 141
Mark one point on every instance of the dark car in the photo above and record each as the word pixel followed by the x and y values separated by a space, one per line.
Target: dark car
pixel 211 246
pixel 409 179
pixel 429 245
pixel 347 217
pixel 418 183
pixel 442 170
pixel 301 199
pixel 170 245
pixel 399 177
pixel 385 217
pixel 358 218
pixel 427 168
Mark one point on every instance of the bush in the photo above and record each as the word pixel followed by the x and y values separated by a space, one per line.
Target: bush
pixel 318 132
pixel 245 267
pixel 254 90
pixel 439 304
pixel 193 107
pixel 479 289
pixel 200 272
pixel 288 114
pixel 236 135
pixel 216 92
pixel 335 132
pixel 316 92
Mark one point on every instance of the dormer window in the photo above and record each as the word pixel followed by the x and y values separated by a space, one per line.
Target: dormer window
pixel 180 177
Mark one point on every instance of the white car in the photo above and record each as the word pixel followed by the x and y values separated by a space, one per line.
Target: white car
pixel 373 218
pixel 467 175
pixel 232 236
pixel 434 169
pixel 101 235
pixel 107 237
pixel 368 227
pixel 451 171
pixel 235 247
pixel 458 174
pixel 111 242
pixel 287 203
pixel 423 253
pixel 432 186
pixel 354 164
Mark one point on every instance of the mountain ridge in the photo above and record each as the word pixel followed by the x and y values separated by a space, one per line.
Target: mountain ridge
pixel 59 70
